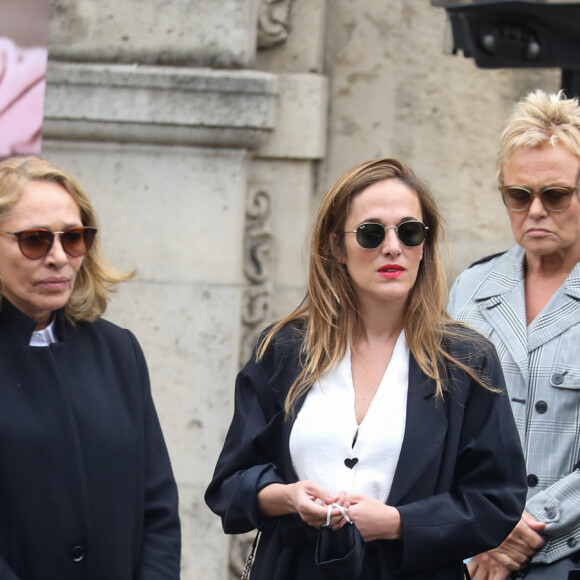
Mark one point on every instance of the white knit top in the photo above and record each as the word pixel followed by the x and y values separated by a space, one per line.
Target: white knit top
pixel 325 428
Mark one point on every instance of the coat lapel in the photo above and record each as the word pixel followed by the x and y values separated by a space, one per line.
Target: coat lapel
pixel 501 302
pixel 425 431
pixel 274 441
pixel 561 312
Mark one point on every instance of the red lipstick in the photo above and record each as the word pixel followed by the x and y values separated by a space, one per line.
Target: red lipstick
pixel 391 270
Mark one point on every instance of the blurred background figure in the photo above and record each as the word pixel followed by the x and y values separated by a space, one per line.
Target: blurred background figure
pixel 22 88
pixel 24 30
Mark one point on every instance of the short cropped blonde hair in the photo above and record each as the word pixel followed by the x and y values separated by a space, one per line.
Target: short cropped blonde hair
pixel 540 118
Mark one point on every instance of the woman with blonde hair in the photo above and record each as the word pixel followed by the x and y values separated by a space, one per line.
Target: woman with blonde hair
pixel 370 436
pixel 526 300
pixel 87 489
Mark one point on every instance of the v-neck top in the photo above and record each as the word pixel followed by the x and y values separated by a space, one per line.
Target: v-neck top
pixel 322 441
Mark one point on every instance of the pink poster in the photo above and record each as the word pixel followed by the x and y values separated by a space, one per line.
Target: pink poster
pixel 23 56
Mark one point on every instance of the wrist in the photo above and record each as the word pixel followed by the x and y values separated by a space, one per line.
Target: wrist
pixel 387 525
pixel 395 526
pixel 276 500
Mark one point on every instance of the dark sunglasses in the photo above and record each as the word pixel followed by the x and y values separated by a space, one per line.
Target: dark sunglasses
pixel 371 235
pixel 36 244
pixel 555 198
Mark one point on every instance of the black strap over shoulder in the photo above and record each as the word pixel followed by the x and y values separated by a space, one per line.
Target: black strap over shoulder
pixel 486 259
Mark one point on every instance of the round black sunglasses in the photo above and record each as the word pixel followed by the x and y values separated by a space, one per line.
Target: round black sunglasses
pixel 372 235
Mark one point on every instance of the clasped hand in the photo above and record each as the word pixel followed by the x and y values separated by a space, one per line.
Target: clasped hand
pixel 374 519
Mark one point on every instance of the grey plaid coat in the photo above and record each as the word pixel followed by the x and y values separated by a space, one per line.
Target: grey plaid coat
pixel 541 364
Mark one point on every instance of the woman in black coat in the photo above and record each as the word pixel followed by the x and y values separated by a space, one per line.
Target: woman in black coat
pixel 368 404
pixel 86 487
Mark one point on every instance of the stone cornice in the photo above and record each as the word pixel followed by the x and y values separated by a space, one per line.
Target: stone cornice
pixel 164 105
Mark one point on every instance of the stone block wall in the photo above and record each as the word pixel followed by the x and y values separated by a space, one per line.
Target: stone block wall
pixel 200 33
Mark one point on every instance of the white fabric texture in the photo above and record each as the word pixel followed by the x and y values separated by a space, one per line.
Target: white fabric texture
pixel 325 427
pixel 44 337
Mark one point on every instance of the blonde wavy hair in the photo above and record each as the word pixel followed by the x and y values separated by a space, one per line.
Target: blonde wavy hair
pixel 96 278
pixel 330 311
pixel 540 118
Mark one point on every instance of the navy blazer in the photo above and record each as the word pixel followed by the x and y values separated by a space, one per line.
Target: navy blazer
pixel 460 483
pixel 86 486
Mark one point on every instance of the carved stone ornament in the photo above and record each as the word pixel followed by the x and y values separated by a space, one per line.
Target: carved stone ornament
pixel 258 256
pixel 273 22
pixel 256 313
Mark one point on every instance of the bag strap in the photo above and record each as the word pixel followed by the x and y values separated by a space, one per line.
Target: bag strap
pixel 250 559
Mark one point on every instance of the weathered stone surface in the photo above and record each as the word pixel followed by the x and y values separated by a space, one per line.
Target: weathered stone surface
pixel 220 34
pixel 177 214
pixel 300 120
pixel 302 29
pixel 164 105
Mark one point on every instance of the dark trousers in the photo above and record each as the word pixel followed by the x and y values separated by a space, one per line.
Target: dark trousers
pixel 564 569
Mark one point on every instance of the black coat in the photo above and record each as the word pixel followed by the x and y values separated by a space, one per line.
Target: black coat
pixel 86 486
pixel 460 483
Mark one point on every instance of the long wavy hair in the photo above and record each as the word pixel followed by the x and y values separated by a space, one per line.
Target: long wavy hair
pixel 330 311
pixel 96 278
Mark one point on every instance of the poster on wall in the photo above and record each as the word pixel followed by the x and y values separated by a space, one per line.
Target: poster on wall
pixel 23 57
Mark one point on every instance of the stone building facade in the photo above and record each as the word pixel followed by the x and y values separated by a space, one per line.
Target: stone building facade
pixel 205 132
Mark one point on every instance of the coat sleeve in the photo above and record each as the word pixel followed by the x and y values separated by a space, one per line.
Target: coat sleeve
pixel 161 544
pixel 559 507
pixel 486 496
pixel 244 466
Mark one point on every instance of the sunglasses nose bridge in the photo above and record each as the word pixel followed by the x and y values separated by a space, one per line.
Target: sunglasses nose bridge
pixel 540 206
pixel 391 238
pixel 59 247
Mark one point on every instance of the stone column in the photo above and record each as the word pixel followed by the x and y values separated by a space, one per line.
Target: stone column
pixel 201 170
pixel 165 159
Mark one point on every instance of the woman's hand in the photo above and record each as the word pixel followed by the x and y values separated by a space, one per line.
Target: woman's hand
pixel 311 503
pixel 305 498
pixel 513 554
pixel 374 519
pixel 486 567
